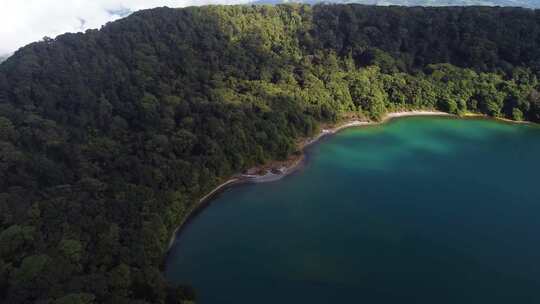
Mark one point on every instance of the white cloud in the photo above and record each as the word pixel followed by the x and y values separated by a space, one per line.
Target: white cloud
pixel 25 21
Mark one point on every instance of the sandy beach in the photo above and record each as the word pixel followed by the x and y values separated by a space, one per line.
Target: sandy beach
pixel 393 115
pixel 476 115
pixel 278 170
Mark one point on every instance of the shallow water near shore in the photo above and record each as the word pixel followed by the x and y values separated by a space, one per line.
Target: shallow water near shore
pixel 418 210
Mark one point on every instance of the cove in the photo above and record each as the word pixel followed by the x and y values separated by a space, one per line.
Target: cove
pixel 417 210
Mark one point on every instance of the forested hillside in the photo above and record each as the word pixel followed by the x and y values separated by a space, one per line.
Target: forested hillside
pixel 108 137
pixel 512 3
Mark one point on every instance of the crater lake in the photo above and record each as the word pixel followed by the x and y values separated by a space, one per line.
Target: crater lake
pixel 417 210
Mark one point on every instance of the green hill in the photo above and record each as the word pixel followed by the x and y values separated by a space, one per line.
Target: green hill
pixel 108 137
pixel 511 3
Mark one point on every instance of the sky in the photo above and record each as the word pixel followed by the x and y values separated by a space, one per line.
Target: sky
pixel 26 21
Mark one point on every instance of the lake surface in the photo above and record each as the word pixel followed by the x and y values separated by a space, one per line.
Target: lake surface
pixel 419 210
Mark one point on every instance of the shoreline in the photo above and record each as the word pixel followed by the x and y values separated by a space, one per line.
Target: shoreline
pixel 500 119
pixel 276 170
pixel 279 169
pixel 200 205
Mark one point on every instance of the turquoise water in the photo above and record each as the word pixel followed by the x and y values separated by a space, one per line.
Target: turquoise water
pixel 419 210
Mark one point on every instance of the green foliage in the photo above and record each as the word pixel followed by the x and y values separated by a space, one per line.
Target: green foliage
pixel 107 138
pixel 71 250
pixel 517 114
pixel 368 93
pixel 15 239
pixel 31 268
pixel 76 298
pixel 513 3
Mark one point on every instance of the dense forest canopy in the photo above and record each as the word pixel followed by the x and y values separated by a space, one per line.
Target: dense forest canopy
pixel 512 3
pixel 109 137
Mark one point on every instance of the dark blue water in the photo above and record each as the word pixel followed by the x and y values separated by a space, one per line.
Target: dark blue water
pixel 420 210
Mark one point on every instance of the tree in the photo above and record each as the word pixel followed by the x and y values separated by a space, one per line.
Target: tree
pixel 76 298
pixel 107 138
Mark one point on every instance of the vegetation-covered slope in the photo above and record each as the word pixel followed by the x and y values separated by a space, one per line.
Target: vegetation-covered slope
pixel 108 137
pixel 513 3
